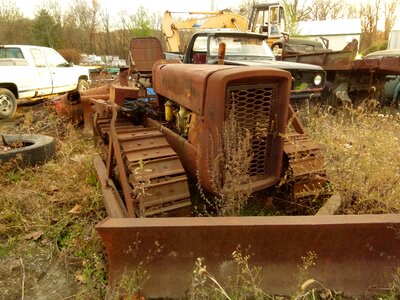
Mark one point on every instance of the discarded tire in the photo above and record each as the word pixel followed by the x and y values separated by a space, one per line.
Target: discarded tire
pixel 28 149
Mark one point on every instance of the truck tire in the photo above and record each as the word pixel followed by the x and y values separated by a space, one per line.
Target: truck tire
pixel 8 103
pixel 277 49
pixel 34 149
pixel 82 85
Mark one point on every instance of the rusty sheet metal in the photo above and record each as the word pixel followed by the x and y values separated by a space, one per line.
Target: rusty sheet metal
pixel 238 86
pixel 354 252
pixel 88 111
pixel 165 166
pixel 119 93
pixel 343 61
pixel 112 201
pixel 385 65
pixel 167 81
pixel 144 51
pixel 185 150
pixel 105 89
pixel 209 89
pixel 335 60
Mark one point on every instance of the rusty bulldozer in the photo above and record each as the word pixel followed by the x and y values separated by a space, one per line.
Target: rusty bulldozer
pixel 156 144
pixel 173 143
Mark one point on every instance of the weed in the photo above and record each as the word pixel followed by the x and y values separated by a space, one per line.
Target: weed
pixel 200 289
pixel 130 285
pixel 140 187
pixel 244 285
pixel 6 248
pixel 304 268
pixel 247 281
pixel 360 150
pixel 229 165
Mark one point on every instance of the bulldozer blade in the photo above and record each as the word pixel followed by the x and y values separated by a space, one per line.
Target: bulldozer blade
pixel 352 252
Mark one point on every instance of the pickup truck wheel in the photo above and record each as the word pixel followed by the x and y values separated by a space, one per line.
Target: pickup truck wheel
pixel 8 104
pixel 82 85
pixel 27 149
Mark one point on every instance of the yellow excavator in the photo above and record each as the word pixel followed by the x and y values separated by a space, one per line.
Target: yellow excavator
pixel 266 18
pixel 207 20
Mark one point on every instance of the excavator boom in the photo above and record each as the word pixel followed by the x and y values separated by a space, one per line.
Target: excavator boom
pixel 208 20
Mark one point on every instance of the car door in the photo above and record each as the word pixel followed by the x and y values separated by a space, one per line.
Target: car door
pixel 43 78
pixel 63 73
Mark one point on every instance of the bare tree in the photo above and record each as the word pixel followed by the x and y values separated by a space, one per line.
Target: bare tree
pixel 389 9
pixel 244 8
pixel 294 14
pixel 369 14
pixel 330 10
pixel 105 41
pixel 84 17
pixel 14 27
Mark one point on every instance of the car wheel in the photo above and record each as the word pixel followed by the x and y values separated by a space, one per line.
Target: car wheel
pixel 397 101
pixel 328 97
pixel 8 104
pixel 277 49
pixel 27 149
pixel 82 85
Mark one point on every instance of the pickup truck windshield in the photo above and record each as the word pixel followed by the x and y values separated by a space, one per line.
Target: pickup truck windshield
pixel 241 47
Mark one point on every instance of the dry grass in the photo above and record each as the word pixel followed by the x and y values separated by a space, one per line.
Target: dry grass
pixel 362 157
pixel 58 202
pixel 229 164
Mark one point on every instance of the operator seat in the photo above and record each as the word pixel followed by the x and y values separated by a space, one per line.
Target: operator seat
pixel 144 52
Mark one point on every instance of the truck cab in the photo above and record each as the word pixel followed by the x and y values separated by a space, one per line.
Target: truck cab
pixel 28 72
pixel 251 49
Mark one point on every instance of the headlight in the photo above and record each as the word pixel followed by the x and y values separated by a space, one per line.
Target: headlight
pixel 317 79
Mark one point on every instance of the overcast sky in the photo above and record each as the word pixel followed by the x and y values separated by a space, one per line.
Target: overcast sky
pixel 114 6
pixel 28 7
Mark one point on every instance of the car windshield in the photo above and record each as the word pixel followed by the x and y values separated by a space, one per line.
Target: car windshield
pixel 241 47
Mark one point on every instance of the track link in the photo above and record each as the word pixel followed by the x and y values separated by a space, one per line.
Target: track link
pixel 154 171
pixel 306 171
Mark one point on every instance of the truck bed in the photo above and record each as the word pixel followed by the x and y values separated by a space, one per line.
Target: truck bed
pixel 343 61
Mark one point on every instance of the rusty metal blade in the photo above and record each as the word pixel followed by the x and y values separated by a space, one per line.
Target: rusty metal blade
pixel 354 252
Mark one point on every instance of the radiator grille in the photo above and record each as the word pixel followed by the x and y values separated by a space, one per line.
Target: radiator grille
pixel 252 107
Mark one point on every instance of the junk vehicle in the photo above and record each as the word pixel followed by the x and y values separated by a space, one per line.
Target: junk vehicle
pixel 350 80
pixel 244 48
pixel 31 72
pixel 391 90
pixel 250 49
pixel 187 118
pixel 155 145
pixel 269 19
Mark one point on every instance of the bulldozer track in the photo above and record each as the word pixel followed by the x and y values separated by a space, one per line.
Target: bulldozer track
pixel 160 185
pixel 306 170
pixel 154 171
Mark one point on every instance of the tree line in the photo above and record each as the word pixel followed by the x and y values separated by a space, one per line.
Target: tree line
pixel 87 27
pixel 84 27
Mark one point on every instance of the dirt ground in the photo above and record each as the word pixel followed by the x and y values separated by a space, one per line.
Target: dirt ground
pixel 32 268
pixel 33 272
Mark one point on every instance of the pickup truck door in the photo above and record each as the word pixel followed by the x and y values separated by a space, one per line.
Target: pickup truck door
pixel 65 77
pixel 43 81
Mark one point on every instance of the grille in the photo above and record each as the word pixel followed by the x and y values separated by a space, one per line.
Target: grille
pixel 252 109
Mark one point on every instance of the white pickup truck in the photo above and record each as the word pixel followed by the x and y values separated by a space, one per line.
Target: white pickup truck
pixel 29 72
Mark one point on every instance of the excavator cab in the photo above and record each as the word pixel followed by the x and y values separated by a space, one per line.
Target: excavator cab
pixel 268 19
